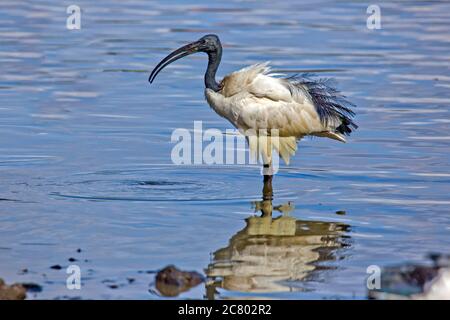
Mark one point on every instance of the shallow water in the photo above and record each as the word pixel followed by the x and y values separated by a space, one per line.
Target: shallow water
pixel 85 148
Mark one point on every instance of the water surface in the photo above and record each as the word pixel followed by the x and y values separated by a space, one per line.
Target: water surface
pixel 85 148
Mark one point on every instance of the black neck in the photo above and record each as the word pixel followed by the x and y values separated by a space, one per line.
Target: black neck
pixel 210 74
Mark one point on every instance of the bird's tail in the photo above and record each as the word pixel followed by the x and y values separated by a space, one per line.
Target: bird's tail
pixel 332 107
pixel 262 146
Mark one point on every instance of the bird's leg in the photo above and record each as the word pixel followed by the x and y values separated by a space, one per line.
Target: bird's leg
pixel 266 204
pixel 267 189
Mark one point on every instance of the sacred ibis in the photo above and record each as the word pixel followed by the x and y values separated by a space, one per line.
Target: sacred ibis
pixel 255 100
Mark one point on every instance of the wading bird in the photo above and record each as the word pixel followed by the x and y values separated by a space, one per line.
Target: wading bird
pixel 255 100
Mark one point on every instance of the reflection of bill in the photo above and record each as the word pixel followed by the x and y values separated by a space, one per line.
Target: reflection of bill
pixel 270 252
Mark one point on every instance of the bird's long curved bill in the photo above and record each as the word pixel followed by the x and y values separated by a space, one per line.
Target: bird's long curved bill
pixel 175 55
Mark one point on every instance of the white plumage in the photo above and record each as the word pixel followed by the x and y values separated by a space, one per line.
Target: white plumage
pixel 255 100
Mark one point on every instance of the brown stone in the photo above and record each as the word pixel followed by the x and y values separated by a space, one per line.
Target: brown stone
pixel 12 292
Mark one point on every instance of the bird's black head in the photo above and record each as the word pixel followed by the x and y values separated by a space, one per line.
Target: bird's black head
pixel 209 44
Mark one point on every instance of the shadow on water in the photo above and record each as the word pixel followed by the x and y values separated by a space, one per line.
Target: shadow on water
pixel 275 254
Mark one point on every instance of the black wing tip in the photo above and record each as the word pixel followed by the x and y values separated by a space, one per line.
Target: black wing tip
pixel 330 104
pixel 347 126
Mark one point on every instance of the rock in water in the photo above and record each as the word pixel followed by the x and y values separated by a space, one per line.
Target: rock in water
pixel 12 292
pixel 417 282
pixel 171 281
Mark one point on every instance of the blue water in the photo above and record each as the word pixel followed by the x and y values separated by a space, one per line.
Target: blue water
pixel 85 148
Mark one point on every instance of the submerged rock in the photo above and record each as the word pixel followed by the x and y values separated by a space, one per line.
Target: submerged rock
pixel 12 292
pixel 417 282
pixel 56 267
pixel 171 281
pixel 31 287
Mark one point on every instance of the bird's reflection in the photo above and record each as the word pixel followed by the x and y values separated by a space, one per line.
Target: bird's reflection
pixel 274 254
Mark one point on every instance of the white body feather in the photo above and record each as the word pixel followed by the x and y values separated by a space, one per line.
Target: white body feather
pixel 252 98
